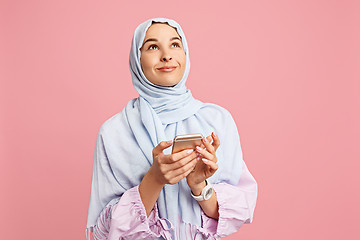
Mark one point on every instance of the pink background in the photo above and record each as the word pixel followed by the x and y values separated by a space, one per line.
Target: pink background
pixel 288 71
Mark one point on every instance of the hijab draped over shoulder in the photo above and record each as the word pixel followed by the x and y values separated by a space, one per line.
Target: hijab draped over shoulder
pixel 123 152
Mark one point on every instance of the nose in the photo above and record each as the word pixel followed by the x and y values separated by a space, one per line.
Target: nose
pixel 165 59
pixel 166 56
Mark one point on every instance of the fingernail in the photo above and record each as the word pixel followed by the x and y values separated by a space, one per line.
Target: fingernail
pixel 170 141
pixel 205 140
pixel 205 160
pixel 190 151
pixel 198 148
pixel 214 134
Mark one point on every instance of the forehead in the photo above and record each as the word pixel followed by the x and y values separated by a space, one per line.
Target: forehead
pixel 161 29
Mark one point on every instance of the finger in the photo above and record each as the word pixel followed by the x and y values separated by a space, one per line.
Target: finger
pixel 161 146
pixel 180 155
pixel 182 162
pixel 205 153
pixel 173 158
pixel 211 164
pixel 209 138
pixel 202 145
pixel 179 177
pixel 216 140
pixel 207 144
pixel 190 171
pixel 185 170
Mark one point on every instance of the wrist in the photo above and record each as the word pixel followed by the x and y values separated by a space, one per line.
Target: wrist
pixel 149 190
pixel 197 188
pixel 151 176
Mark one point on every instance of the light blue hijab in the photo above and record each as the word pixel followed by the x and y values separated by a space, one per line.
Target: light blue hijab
pixel 123 152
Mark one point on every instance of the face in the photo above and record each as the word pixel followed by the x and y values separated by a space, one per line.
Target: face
pixel 162 55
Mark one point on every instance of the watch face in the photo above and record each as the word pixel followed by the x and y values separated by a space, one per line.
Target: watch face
pixel 208 193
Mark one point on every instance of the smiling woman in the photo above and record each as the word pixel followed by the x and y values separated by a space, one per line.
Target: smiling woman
pixel 140 189
pixel 162 55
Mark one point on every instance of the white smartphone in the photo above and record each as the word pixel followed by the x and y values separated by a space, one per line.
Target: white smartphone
pixel 188 141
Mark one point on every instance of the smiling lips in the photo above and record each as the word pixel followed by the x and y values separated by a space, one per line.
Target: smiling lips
pixel 167 69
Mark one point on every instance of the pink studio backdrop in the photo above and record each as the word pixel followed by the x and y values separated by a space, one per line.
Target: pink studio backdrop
pixel 288 71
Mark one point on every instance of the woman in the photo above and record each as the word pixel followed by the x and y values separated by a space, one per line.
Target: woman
pixel 142 191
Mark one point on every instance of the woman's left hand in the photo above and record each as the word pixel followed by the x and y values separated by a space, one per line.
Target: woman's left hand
pixel 207 167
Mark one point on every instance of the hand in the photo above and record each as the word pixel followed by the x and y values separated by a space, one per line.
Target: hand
pixel 207 167
pixel 170 169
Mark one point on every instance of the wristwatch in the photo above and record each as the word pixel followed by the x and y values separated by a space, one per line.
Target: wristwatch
pixel 205 193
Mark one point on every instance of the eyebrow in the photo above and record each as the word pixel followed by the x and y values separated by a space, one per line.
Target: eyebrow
pixel 155 40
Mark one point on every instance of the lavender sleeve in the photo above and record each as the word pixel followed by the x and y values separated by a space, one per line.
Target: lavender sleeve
pixel 127 219
pixel 236 207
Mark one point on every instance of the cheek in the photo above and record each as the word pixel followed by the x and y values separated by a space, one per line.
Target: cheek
pixel 182 59
pixel 146 63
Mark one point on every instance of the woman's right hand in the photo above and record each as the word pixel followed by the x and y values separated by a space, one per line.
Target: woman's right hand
pixel 170 169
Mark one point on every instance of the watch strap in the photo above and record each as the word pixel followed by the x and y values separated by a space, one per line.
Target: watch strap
pixel 205 193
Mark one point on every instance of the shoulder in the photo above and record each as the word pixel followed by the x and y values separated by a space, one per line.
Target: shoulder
pixel 215 112
pixel 116 122
pixel 218 118
pixel 111 122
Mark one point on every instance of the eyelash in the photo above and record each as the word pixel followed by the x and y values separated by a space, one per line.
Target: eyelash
pixel 177 44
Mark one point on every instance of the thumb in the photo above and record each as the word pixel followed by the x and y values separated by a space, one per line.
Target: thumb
pixel 161 146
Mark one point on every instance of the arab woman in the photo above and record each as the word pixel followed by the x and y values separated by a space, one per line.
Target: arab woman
pixel 140 189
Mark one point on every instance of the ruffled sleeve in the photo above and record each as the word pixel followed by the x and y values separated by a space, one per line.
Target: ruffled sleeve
pixel 129 220
pixel 236 207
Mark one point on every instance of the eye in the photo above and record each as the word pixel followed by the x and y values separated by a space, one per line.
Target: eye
pixel 175 44
pixel 152 47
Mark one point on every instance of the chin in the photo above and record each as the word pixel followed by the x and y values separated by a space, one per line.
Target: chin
pixel 168 83
pixel 173 84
